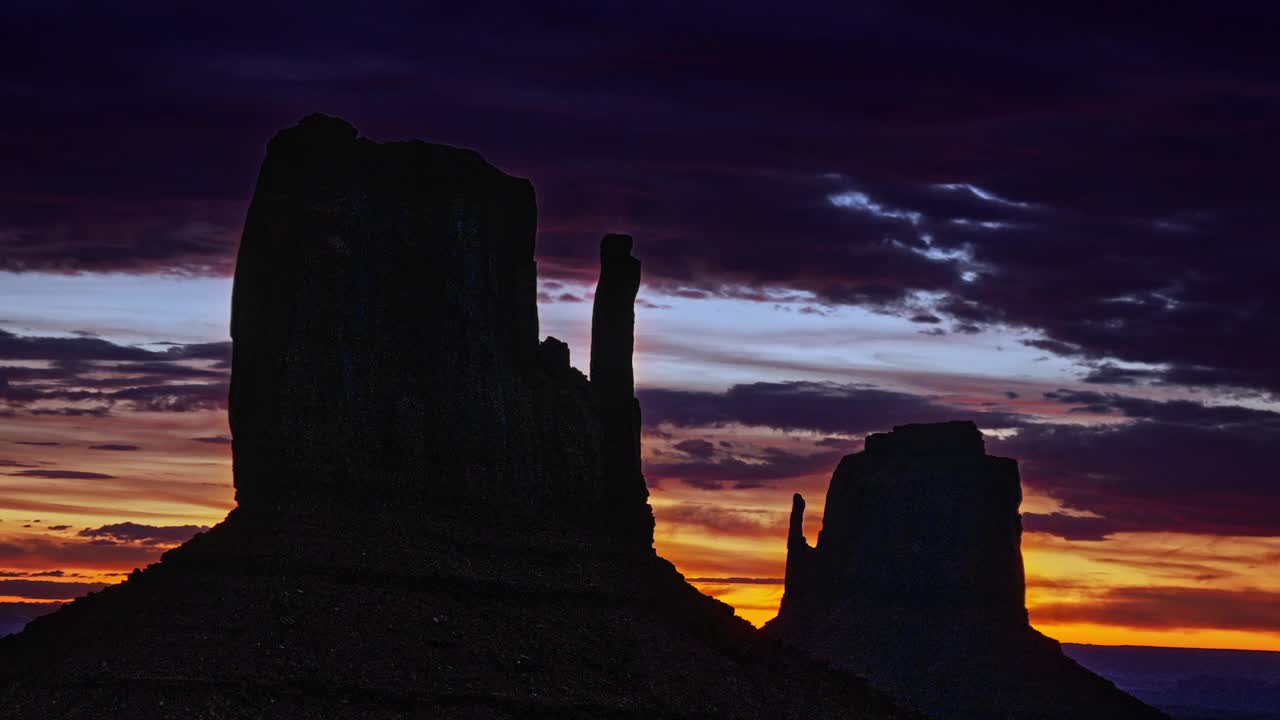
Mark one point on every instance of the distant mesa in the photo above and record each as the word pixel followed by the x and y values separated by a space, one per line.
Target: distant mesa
pixel 438 516
pixel 916 582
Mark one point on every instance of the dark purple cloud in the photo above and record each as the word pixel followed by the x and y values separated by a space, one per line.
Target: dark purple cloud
pixel 47 589
pixel 824 407
pixel 98 411
pixel 146 534
pixel 174 398
pixel 742 470
pixel 1068 527
pixel 1161 466
pixel 725 519
pixel 66 351
pixel 1102 178
pixel 1151 476
pixel 696 447
pixel 1161 608
pixel 1180 412
pixel 89 376
pixel 218 351
pixel 63 474
pixel 214 439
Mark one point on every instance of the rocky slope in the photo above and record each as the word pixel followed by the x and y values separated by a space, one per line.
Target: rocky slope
pixel 437 516
pixel 917 583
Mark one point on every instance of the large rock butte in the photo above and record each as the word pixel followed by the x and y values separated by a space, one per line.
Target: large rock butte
pixel 916 582
pixel 438 517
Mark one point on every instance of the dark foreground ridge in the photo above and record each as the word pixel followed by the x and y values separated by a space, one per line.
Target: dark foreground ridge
pixel 917 583
pixel 438 517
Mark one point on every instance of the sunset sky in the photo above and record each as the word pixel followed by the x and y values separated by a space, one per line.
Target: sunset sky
pixel 1061 227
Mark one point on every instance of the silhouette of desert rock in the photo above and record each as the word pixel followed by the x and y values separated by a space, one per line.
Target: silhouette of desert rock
pixel 917 583
pixel 438 517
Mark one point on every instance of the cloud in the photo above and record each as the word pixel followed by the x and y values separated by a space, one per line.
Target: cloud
pixel 91 377
pixel 1150 476
pixel 37 553
pixel 696 447
pixel 99 411
pixel 725 519
pixel 63 475
pixel 1169 608
pixel 175 398
pixel 919 180
pixel 1111 374
pixel 69 351
pixel 1181 412
pixel 47 589
pixel 115 447
pixel 565 297
pixel 823 407
pixel 214 439
pixel 220 352
pixel 147 534
pixel 1068 527
pixel 22 503
pixel 746 469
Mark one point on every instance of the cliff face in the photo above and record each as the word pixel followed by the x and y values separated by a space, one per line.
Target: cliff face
pixel 437 515
pixel 386 354
pixel 917 583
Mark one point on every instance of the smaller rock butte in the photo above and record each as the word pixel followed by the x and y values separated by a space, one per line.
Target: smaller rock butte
pixel 916 582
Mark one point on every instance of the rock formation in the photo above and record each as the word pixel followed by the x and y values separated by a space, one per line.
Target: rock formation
pixel 613 320
pixel 916 582
pixel 386 355
pixel 438 516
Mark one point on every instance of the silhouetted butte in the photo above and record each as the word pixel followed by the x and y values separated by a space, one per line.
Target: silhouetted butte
pixel 916 582
pixel 438 516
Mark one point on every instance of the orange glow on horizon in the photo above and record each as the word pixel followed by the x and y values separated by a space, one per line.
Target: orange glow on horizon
pixel 730 543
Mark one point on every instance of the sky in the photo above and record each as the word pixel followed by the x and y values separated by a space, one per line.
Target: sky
pixel 1059 224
